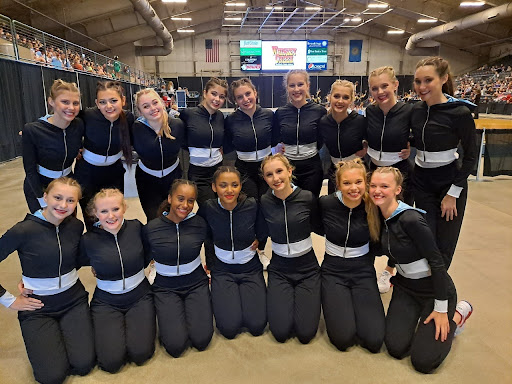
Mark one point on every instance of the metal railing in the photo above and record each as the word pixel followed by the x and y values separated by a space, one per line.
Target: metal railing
pixel 22 42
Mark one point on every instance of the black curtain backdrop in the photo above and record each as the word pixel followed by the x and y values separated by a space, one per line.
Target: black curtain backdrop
pixel 498 152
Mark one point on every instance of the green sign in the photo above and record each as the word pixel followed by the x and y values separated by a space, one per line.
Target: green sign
pixel 317 51
pixel 250 51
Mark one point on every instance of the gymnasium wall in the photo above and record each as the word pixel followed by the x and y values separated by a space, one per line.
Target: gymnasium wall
pixel 188 57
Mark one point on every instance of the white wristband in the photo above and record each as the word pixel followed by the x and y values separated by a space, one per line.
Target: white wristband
pixel 455 191
pixel 7 299
pixel 441 306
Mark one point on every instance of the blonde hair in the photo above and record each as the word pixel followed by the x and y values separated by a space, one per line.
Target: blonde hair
pixel 104 192
pixel 60 86
pixel 66 181
pixel 397 175
pixel 164 129
pixel 296 72
pixel 282 158
pixel 388 70
pixel 372 212
pixel 239 83
pixel 345 84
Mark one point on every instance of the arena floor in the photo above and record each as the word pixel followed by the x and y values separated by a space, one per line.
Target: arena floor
pixel 481 354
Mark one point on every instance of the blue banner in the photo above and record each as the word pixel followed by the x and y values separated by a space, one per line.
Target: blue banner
pixel 355 51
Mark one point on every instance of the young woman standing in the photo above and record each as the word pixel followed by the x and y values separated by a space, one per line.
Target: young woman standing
pixel 53 312
pixel 236 225
pixel 122 307
pixel 181 292
pixel 51 144
pixel 387 133
pixel 106 140
pixel 341 131
pixel 157 140
pixel 350 298
pixel 291 213
pixel 439 124
pixel 297 123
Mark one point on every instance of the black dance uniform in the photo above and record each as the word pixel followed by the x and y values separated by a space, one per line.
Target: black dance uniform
pixel 158 163
pixel 350 297
pixel 238 287
pixel 59 336
pixel 342 140
pixel 122 307
pixel 181 293
pixel 205 136
pixel 293 300
pixel 100 165
pixel 437 131
pixel 253 139
pixel 300 135
pixel 421 285
pixel 387 135
pixel 48 153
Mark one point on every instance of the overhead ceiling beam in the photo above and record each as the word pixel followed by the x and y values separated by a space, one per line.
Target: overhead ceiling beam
pixel 329 19
pixel 305 22
pixel 245 18
pixel 287 19
pixel 266 18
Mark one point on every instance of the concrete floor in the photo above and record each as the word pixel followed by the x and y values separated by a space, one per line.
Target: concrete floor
pixel 482 354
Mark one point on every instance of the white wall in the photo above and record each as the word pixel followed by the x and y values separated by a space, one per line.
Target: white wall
pixel 188 57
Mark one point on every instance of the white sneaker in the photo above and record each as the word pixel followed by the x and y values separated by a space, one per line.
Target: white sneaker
pixel 264 260
pixel 383 281
pixel 465 309
pixel 152 273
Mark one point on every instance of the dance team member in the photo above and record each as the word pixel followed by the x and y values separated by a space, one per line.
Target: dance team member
pixel 291 213
pixel 122 307
pixel 157 140
pixel 351 301
pixel 181 292
pixel 388 132
pixel 249 131
pixel 439 123
pixel 424 295
pixel 236 225
pixel 297 123
pixel 204 127
pixel 51 143
pixel 106 140
pixel 341 131
pixel 54 315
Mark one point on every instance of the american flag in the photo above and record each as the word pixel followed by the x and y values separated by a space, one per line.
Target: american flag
pixel 211 48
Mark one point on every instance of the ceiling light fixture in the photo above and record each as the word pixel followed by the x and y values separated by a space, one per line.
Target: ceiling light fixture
pixel 378 5
pixel 427 20
pixel 185 31
pixel 472 3
pixel 181 18
pixel 313 8
pixel 396 32
pixel 233 18
pixel 235 4
pixel 356 19
pixel 174 1
pixel 275 8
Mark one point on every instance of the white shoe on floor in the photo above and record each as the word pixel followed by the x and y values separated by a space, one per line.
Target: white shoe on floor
pixel 383 281
pixel 264 260
pixel 465 309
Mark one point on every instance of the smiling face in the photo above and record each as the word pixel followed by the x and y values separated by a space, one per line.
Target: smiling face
pixel 181 202
pixel 151 107
pixel 245 98
pixel 352 185
pixel 384 189
pixel 340 99
pixel 277 175
pixel 110 212
pixel 65 107
pixel 110 103
pixel 228 187
pixel 297 87
pixel 428 85
pixel 61 202
pixel 214 98
pixel 382 89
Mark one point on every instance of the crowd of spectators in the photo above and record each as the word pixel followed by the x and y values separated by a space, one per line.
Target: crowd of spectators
pixel 74 58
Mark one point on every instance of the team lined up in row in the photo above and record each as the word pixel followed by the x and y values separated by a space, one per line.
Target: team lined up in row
pixel 438 124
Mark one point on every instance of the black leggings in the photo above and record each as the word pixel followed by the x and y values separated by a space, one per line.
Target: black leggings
pixel 293 300
pixel 124 333
pixel 59 337
pixel 431 186
pixel 351 303
pixel 406 333
pixel 309 174
pixel 239 300
pixel 253 184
